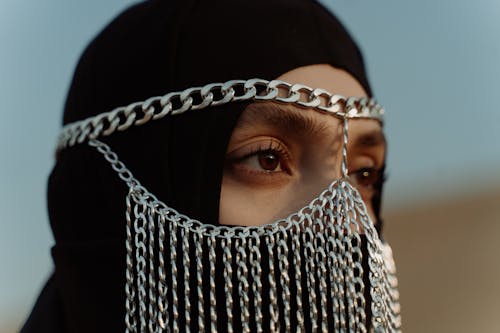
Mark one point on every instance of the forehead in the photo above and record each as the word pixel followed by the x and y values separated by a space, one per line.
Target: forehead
pixel 366 132
pixel 334 80
pixel 327 77
pixel 279 118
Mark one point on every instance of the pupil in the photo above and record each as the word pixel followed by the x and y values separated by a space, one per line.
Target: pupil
pixel 368 177
pixel 268 161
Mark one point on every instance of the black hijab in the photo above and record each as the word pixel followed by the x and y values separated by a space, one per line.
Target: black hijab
pixel 153 48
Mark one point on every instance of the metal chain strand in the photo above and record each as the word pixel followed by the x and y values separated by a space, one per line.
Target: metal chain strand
pixel 151 278
pixel 284 277
pixel 339 261
pixel 186 262
pixel 307 238
pixel 333 269
pixel 163 315
pixel 141 257
pixel 324 238
pixel 130 322
pixel 256 272
pixel 173 264
pixel 349 267
pixel 320 261
pixel 380 319
pixel 212 259
pixel 242 275
pixel 296 250
pixel 139 113
pixel 344 166
pixel 198 242
pixel 228 282
pixel 385 307
pixel 273 294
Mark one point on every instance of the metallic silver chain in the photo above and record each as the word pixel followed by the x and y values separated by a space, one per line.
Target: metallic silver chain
pixel 130 321
pixel 198 240
pixel 174 103
pixel 256 271
pixel 187 289
pixel 211 242
pixel 228 283
pixel 324 236
pixel 163 315
pixel 152 308
pixel 243 286
pixel 283 267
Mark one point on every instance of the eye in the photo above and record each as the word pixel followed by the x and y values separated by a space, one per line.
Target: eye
pixel 366 178
pixel 268 160
pixel 264 161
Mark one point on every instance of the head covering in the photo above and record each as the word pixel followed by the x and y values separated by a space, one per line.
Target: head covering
pixel 150 49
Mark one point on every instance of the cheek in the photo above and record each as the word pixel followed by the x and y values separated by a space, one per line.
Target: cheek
pixel 371 215
pixel 371 212
pixel 240 205
pixel 244 206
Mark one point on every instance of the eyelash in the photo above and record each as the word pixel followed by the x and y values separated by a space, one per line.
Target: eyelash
pixel 273 147
pixel 261 148
pixel 241 165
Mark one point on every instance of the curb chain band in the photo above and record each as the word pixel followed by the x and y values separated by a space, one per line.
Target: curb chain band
pixel 215 94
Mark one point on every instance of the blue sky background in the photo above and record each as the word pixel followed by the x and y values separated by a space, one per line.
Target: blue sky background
pixel 434 65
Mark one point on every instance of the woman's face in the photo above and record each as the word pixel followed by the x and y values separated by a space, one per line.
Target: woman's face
pixel 280 157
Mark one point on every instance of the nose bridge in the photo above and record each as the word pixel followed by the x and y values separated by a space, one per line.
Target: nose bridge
pixel 327 164
pixel 337 149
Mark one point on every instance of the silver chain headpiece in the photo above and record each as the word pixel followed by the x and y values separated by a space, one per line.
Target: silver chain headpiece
pixel 305 269
pixel 175 103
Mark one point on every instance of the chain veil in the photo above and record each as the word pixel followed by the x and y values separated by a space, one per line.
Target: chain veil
pixel 305 270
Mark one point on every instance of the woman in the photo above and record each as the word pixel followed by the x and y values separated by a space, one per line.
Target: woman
pixel 223 154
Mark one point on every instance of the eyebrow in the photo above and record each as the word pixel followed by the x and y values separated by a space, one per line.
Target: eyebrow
pixel 284 117
pixel 373 138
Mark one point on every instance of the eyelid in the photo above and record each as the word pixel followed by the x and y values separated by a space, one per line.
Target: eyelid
pixel 257 145
pixel 362 161
pixel 240 163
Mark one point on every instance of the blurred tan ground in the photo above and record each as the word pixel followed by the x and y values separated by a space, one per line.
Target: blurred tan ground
pixel 448 257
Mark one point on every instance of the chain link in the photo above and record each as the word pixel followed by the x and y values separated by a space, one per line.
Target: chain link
pixel 228 282
pixel 211 243
pixel 140 113
pixel 242 275
pixel 151 278
pixel 130 323
pixel 163 314
pixel 198 242
pixel 186 262
pixel 256 271
pixel 141 257
pixel 273 294
pixel 325 244
pixel 283 267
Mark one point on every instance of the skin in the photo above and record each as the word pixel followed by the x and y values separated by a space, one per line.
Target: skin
pixel 280 157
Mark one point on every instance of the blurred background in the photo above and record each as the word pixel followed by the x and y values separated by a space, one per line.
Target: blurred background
pixel 434 65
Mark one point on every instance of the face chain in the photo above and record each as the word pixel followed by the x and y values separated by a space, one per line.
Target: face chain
pixel 303 273
pixel 325 242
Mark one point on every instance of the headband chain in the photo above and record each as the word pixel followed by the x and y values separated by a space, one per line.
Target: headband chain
pixel 215 94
